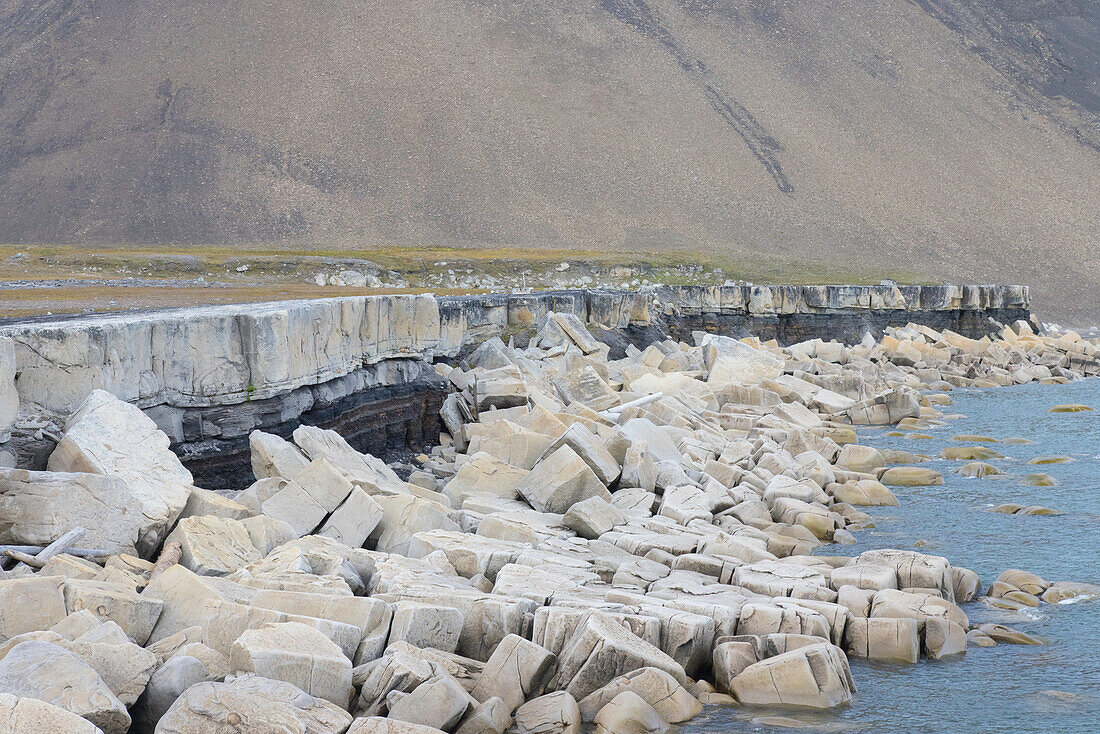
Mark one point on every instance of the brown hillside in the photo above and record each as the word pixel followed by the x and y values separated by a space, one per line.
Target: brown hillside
pixel 954 137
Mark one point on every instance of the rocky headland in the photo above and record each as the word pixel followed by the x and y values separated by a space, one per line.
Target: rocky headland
pixel 619 517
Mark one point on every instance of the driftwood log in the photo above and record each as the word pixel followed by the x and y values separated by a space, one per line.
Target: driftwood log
pixel 169 556
pixel 53 549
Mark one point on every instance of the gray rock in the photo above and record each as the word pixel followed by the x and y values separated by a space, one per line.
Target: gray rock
pixel 268 707
pixel 439 702
pixel 517 670
pixel 49 673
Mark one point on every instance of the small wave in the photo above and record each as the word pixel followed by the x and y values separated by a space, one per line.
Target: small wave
pixel 1076 599
pixel 1033 615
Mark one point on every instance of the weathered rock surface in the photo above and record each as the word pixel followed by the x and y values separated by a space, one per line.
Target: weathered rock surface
pixel 49 673
pixel 105 435
pixel 265 706
pixel 31 716
pixel 815 677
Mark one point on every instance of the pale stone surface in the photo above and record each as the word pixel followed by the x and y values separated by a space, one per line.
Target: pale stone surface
pixel 268 533
pixel 438 702
pixel 883 639
pixel 324 482
pixel 182 595
pixel 517 671
pixel 672 702
pixel 903 604
pixel 124 667
pixel 49 673
pixel 269 707
pixel 107 436
pixel 28 604
pixel 214 546
pixel 360 469
pixel 490 717
pixel 381 725
pixel 403 516
pixel 860 458
pixel 590 449
pixel 483 473
pixel 628 713
pixel 943 638
pixel 295 506
pixel 554 713
pixel 76 624
pixel 593 517
pixel 296 654
pixel 815 677
pixel 916 569
pixel 639 469
pixel 426 625
pixel 31 716
pixel 354 520
pixel 135 613
pixel 730 657
pixel 36 508
pixel 9 396
pixel 167 684
pixel 371 616
pixel 560 481
pixel 205 502
pixel 600 650
pixel 273 456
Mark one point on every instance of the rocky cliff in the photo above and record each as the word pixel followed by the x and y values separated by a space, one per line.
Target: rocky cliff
pixel 209 376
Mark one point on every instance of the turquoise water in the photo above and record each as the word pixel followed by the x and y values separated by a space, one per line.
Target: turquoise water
pixel 1008 688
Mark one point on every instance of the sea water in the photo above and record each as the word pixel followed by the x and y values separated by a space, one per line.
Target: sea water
pixel 1053 688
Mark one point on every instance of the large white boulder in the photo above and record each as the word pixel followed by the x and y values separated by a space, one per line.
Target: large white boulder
pixel 31 716
pixel 108 436
pixel 559 481
pixel 38 507
pixel 816 676
pixel 268 706
pixel 42 670
pixel 297 654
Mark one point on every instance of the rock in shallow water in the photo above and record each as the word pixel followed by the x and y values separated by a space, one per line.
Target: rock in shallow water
pixel 815 677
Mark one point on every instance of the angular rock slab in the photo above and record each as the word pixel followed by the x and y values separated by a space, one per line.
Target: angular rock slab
pixel 600 650
pixel 554 713
pixel 559 481
pixel 816 676
pixel 214 546
pixel 672 702
pixel 426 625
pixel 253 704
pixel 629 713
pixel 38 507
pixel 296 654
pixel 516 671
pixel 439 702
pixel 31 716
pixel 108 436
pixel 29 604
pixel 47 672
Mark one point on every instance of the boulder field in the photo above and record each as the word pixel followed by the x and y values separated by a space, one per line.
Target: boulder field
pixel 593 544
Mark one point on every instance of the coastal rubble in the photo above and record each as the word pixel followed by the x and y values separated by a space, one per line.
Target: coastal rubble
pixel 594 541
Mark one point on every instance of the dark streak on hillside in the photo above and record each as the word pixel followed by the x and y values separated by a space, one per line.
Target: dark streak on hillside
pixel 1044 48
pixel 639 16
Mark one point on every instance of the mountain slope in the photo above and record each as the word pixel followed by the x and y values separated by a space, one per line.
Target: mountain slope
pixel 956 137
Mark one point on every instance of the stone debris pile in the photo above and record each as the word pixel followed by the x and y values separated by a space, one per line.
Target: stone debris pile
pixel 596 542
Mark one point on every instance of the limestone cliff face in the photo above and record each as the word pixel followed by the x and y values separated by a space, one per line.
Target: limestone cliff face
pixel 957 137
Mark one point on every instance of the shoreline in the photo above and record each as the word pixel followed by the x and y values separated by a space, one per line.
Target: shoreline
pixel 595 540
